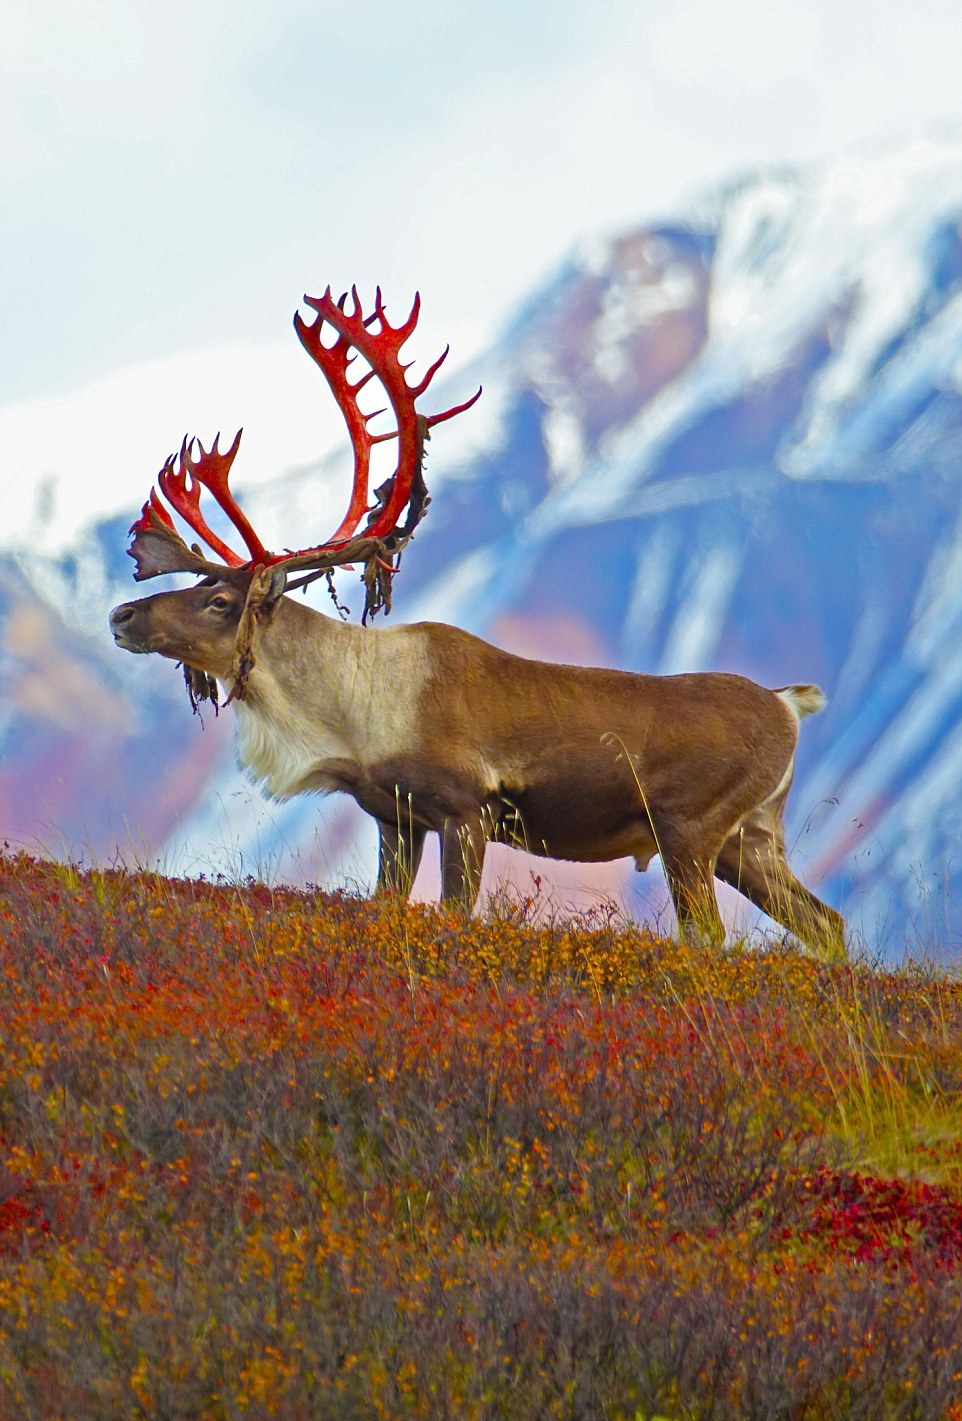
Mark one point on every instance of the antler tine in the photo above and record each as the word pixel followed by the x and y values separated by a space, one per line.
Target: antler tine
pixel 457 409
pixel 395 336
pixel 406 327
pixel 422 384
pixel 155 507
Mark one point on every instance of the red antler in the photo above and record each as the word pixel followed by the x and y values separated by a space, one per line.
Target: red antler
pixel 381 350
pixel 181 486
pixel 333 361
pixel 157 547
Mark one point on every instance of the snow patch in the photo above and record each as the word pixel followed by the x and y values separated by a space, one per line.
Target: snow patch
pixel 630 305
pixel 564 443
pixel 701 615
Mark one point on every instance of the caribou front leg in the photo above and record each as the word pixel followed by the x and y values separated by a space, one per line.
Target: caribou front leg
pixel 689 875
pixel 398 857
pixel 462 859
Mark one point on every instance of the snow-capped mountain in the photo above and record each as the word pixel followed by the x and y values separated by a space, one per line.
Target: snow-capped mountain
pixel 729 442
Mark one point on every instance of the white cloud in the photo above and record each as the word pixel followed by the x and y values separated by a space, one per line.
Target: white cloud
pixel 752 44
pixel 70 461
pixel 179 174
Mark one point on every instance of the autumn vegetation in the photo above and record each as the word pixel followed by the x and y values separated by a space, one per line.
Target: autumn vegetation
pixel 266 1153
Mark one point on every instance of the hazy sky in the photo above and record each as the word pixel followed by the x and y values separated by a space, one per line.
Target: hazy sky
pixel 175 175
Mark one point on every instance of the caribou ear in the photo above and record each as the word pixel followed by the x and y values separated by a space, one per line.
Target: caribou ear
pixel 266 591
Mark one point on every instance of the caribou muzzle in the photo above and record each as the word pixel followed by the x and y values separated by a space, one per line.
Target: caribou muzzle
pixel 127 627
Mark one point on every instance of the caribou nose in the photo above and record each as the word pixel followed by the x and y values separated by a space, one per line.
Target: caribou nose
pixel 123 627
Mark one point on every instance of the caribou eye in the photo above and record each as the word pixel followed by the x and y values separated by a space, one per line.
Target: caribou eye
pixel 220 603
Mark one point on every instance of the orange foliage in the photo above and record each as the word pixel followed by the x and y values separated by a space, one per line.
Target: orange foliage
pixel 270 1153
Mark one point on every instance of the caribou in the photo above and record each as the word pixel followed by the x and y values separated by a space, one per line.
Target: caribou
pixel 429 728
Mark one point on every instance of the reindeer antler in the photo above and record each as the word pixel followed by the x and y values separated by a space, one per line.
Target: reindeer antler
pixel 159 548
pixel 381 349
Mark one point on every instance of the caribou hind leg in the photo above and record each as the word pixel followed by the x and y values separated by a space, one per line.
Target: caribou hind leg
pixel 400 847
pixel 753 860
pixel 462 858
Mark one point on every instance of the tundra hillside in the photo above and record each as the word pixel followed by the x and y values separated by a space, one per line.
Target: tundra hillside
pixel 270 1154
